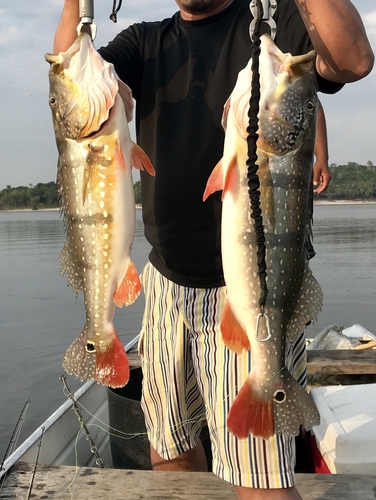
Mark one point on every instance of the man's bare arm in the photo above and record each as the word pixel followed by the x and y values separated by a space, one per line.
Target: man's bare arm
pixel 321 172
pixel 339 38
pixel 66 32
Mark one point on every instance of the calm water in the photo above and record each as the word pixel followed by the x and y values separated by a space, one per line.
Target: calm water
pixel 39 316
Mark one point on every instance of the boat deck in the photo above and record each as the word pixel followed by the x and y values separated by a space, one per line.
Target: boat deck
pixel 339 362
pixel 71 483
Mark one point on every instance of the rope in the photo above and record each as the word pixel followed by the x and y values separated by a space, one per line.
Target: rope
pixel 253 179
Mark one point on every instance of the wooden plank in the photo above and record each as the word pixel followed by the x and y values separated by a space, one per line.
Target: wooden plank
pixel 337 362
pixel 66 483
pixel 342 362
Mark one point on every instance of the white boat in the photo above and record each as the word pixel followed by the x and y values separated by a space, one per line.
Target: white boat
pixel 64 441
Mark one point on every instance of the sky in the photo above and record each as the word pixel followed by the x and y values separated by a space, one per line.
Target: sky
pixel 28 152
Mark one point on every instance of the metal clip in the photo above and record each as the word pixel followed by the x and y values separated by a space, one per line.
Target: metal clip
pixel 259 316
pixel 86 13
pixel 269 8
pixel 91 25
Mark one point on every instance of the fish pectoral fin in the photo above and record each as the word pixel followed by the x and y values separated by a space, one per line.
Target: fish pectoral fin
pixel 251 412
pixel 223 177
pixel 233 334
pixel 108 365
pixel 129 289
pixel 140 160
pixel 215 181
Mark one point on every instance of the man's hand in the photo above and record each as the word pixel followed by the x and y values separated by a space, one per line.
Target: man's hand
pixel 321 176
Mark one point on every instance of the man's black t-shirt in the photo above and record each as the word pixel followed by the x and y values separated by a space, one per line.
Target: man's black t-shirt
pixel 181 74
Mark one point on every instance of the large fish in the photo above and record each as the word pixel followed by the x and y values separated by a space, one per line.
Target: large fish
pixel 91 108
pixel 271 401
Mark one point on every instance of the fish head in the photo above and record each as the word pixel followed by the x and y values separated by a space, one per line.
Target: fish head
pixel 83 87
pixel 288 104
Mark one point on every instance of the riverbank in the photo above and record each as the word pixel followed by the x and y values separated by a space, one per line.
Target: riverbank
pixel 139 207
pixel 344 202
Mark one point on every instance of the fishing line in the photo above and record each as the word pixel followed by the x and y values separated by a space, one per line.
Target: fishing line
pixel 253 178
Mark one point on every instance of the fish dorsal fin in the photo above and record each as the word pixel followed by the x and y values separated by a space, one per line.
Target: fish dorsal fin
pixel 307 307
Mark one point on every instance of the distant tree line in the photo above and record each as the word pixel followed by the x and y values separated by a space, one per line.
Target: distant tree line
pixel 349 182
pixel 42 195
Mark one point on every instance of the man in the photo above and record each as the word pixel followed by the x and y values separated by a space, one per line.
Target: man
pixel 181 72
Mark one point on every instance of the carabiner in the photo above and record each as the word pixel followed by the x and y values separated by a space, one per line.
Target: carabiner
pixel 259 316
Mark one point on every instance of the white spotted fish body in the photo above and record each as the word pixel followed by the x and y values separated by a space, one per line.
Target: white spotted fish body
pixel 271 401
pixel 95 181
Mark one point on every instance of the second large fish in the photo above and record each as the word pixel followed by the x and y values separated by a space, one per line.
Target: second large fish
pixel 271 400
pixel 91 108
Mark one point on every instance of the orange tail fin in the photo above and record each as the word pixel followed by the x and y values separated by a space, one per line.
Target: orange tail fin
pixel 251 412
pixel 278 405
pixel 112 365
pixel 107 365
pixel 233 334
pixel 129 289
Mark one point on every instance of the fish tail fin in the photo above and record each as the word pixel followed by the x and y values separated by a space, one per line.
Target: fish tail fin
pixel 251 412
pixel 129 289
pixel 272 407
pixel 106 364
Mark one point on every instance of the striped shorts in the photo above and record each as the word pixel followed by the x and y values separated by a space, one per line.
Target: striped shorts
pixel 189 376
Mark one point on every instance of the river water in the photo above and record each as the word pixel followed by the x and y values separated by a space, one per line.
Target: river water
pixel 39 316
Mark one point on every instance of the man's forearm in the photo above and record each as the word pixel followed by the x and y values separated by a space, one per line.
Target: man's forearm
pixel 339 38
pixel 66 31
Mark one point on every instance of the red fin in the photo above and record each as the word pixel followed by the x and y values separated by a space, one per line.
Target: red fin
pixel 141 160
pixel 112 365
pixel 233 334
pixel 129 289
pixel 215 181
pixel 251 412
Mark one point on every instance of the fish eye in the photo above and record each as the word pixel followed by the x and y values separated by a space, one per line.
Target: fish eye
pixel 52 101
pixel 310 106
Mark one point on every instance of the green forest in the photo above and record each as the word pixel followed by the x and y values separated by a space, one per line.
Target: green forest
pixel 349 182
pixel 42 195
